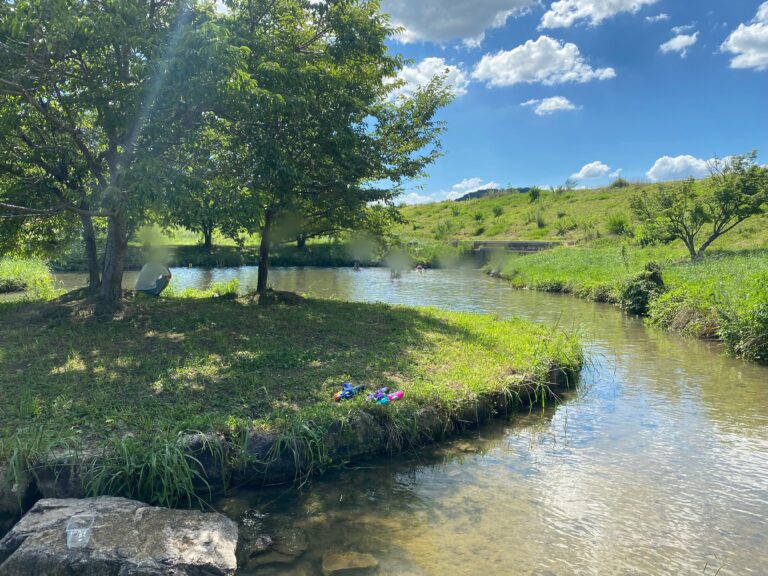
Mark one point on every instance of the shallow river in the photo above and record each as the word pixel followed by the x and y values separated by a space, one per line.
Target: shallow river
pixel 658 465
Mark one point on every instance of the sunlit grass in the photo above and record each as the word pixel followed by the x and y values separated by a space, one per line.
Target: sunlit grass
pixel 171 365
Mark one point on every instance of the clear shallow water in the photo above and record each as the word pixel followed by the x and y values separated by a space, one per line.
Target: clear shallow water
pixel 659 465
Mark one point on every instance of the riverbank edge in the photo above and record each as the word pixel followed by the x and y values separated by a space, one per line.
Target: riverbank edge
pixel 265 460
pixel 666 309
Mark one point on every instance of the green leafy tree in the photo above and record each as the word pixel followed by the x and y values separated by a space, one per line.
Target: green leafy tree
pixel 319 138
pixel 93 98
pixel 737 190
pixel 207 196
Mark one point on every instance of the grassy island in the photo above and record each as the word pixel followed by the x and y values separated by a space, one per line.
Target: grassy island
pixel 128 388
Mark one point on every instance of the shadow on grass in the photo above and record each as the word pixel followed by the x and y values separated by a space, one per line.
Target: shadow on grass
pixel 202 364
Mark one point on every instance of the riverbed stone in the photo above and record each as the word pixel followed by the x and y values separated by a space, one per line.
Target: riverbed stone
pixel 128 538
pixel 348 564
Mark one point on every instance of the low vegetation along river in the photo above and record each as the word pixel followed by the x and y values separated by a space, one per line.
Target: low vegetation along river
pixel 657 465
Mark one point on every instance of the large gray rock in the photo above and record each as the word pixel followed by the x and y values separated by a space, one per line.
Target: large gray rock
pixel 128 538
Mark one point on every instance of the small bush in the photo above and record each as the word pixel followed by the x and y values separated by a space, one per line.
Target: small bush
pixel 681 311
pixel 479 217
pixel 443 230
pixel 455 210
pixel 534 194
pixel 540 222
pixel 619 224
pixel 565 226
pixel 498 211
pixel 619 183
pixel 479 231
pixel 638 292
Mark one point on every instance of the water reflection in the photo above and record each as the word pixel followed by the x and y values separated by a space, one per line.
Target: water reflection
pixel 660 466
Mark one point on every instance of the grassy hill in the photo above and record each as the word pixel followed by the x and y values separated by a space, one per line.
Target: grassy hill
pixel 571 217
pixel 722 296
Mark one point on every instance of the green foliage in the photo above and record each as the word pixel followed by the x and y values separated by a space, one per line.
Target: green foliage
pixel 93 98
pixel 158 469
pixel 498 211
pixel 565 226
pixel 744 325
pixel 639 291
pixel 737 191
pixel 619 224
pixel 619 183
pixel 29 275
pixel 443 230
pixel 229 289
pixel 534 194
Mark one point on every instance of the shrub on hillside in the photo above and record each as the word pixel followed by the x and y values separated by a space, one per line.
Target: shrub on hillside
pixel 498 211
pixel 619 183
pixel 619 224
pixel 565 226
pixel 638 292
pixel 443 229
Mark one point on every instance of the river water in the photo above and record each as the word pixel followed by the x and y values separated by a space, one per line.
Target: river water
pixel 657 465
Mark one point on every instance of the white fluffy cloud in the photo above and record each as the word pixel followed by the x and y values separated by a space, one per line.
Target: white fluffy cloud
pixel 424 71
pixel 457 191
pixel 592 170
pixel 415 198
pixel 565 13
pixel 467 186
pixel 680 44
pixel 749 42
pixel 549 106
pixel 683 29
pixel 678 168
pixel 446 20
pixel 657 18
pixel 544 60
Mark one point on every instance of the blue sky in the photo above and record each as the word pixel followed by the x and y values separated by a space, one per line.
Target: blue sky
pixel 649 89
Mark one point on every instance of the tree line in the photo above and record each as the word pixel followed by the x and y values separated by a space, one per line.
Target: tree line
pixel 267 116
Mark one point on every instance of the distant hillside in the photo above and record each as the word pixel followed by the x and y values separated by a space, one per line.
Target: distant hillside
pixel 491 192
pixel 571 217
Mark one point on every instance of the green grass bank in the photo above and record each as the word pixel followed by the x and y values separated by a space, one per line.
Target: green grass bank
pixel 724 296
pixel 177 394
pixel 30 276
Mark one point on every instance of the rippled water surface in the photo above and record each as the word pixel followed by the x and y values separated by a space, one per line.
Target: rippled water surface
pixel 658 465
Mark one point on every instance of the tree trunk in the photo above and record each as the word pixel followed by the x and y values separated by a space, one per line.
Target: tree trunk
pixel 114 260
pixel 91 254
pixel 301 241
pixel 266 232
pixel 207 235
pixel 691 248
